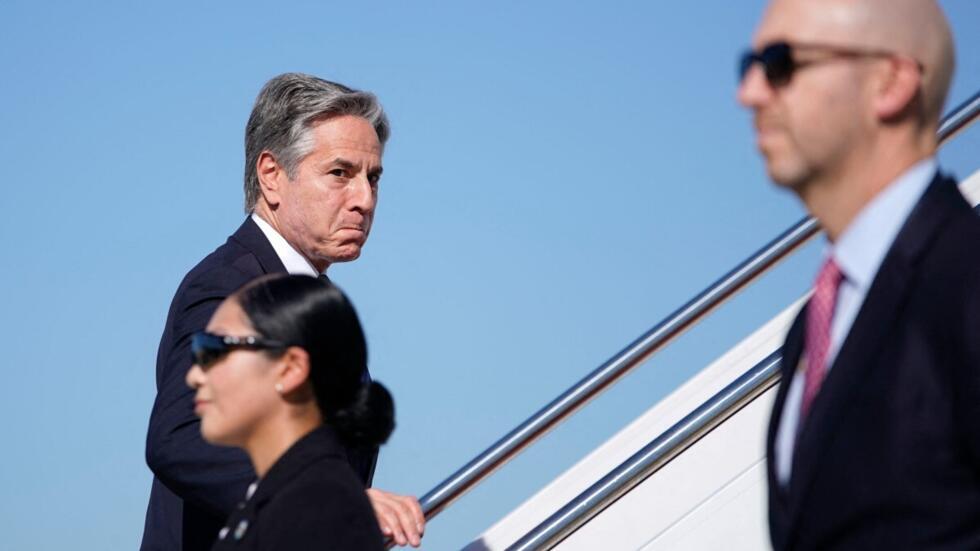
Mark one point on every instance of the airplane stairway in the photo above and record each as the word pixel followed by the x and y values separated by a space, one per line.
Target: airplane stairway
pixel 689 473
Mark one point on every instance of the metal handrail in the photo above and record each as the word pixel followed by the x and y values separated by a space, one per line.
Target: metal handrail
pixel 578 395
pixel 958 119
pixel 654 455
pixel 691 428
pixel 642 348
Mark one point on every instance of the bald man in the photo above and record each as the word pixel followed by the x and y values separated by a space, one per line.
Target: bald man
pixel 874 440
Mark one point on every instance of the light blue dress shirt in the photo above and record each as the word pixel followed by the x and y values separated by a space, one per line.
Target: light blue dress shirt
pixel 858 252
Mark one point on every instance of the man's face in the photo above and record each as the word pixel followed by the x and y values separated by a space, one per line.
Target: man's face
pixel 807 128
pixel 325 211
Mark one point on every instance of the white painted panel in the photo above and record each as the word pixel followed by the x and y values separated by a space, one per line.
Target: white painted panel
pixel 695 483
pixel 731 519
pixel 971 188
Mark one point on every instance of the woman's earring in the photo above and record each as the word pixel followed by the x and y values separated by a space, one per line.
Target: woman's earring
pixel 279 388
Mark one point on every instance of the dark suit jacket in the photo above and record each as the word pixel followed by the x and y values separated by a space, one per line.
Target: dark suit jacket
pixel 309 500
pixel 196 485
pixel 889 455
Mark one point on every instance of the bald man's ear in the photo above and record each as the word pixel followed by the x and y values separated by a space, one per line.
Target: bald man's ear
pixel 898 89
pixel 272 176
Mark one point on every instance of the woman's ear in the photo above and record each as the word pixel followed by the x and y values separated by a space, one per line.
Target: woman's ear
pixel 293 371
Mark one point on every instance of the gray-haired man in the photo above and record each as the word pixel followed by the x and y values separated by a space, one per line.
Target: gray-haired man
pixel 312 164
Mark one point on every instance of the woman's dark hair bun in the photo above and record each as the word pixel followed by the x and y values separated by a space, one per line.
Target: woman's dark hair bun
pixel 368 420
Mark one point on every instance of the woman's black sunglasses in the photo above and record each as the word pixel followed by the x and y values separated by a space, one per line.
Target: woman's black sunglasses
pixel 779 62
pixel 208 348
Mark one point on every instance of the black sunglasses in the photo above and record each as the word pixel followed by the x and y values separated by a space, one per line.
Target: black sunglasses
pixel 779 62
pixel 208 348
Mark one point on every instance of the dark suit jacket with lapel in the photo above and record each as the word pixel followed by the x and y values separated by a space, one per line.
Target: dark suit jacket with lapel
pixel 309 500
pixel 196 485
pixel 889 455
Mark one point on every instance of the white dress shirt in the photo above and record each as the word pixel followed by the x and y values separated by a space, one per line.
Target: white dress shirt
pixel 294 262
pixel 858 252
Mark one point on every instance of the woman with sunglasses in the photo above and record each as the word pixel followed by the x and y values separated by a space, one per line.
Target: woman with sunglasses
pixel 281 372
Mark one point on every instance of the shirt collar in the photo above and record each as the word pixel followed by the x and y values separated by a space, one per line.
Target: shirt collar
pixel 294 262
pixel 863 245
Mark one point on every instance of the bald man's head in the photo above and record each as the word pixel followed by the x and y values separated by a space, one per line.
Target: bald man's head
pixel 916 29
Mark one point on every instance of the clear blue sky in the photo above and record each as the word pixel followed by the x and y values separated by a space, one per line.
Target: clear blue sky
pixel 560 177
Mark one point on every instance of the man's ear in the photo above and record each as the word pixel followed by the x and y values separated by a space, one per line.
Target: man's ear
pixel 898 88
pixel 293 373
pixel 272 176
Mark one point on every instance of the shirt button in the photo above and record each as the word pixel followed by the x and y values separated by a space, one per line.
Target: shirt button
pixel 240 529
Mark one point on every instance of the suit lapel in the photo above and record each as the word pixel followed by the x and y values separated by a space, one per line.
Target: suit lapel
pixel 792 350
pixel 778 495
pixel 881 308
pixel 250 236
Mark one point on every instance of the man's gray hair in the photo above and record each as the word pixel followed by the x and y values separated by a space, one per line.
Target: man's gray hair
pixel 284 113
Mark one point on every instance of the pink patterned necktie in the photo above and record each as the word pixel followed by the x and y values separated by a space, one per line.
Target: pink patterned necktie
pixel 820 313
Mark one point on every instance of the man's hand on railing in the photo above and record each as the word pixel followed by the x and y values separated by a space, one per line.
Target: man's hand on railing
pixel 400 517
